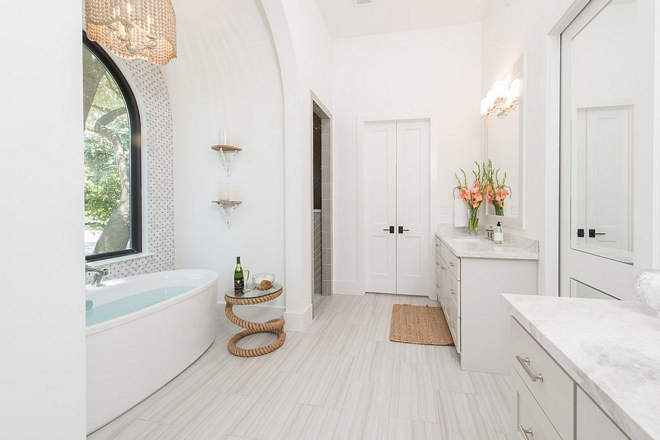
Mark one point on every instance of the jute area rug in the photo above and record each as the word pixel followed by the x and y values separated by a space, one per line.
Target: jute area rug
pixel 419 325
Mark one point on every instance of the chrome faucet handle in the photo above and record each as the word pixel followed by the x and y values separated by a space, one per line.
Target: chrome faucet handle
pixel 99 273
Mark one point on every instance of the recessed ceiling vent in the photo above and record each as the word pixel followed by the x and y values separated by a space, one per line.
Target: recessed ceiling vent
pixel 363 2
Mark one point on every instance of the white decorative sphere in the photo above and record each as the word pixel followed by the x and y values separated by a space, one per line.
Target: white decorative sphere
pixel 647 288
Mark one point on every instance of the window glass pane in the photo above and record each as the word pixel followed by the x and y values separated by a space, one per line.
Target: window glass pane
pixel 107 160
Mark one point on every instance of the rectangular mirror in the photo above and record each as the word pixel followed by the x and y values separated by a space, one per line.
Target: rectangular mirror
pixel 602 117
pixel 505 149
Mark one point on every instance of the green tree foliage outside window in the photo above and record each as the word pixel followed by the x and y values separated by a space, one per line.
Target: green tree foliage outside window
pixel 108 137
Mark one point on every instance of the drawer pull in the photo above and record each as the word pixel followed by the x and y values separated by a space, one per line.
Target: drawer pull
pixel 443 268
pixel 525 432
pixel 525 364
pixel 451 264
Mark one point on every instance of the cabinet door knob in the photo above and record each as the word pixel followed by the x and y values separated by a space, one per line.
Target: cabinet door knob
pixel 453 292
pixel 525 432
pixel 525 362
pixel 451 264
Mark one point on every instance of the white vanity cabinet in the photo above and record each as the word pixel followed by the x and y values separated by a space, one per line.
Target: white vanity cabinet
pixel 547 404
pixel 448 285
pixel 471 275
pixel 592 422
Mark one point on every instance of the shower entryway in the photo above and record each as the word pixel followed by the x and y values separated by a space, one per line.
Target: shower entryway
pixel 322 200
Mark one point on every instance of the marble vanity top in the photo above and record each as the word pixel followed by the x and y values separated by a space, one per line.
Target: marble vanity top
pixel 464 245
pixel 610 348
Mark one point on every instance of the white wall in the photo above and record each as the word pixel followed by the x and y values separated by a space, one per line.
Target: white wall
pixel 42 321
pixel 304 53
pixel 532 27
pixel 433 72
pixel 528 23
pixel 313 46
pixel 227 75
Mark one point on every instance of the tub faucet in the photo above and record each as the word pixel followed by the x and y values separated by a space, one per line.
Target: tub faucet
pixel 99 274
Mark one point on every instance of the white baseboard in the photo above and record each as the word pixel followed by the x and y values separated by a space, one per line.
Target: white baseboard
pixel 294 322
pixel 298 322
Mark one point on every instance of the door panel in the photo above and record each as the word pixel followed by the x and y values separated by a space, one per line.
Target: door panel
pixel 412 207
pixel 380 200
pixel 397 192
pixel 608 180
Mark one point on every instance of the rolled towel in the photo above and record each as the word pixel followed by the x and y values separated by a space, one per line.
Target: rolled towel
pixel 460 213
pixel 89 304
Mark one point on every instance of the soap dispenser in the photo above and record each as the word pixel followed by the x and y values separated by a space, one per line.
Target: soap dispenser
pixel 498 236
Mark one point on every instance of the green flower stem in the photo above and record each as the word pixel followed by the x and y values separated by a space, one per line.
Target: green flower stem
pixel 473 218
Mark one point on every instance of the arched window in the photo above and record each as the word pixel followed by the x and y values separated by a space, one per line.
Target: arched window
pixel 113 214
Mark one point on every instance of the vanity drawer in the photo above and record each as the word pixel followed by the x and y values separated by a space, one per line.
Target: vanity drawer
pixel 452 260
pixel 438 284
pixel 528 418
pixel 453 321
pixel 552 388
pixel 454 292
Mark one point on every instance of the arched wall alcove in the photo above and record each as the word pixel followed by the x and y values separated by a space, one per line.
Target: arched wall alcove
pixel 237 68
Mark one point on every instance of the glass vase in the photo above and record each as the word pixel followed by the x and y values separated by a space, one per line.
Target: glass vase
pixel 473 220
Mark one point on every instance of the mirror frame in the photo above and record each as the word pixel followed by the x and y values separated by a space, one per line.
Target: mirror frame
pixel 514 222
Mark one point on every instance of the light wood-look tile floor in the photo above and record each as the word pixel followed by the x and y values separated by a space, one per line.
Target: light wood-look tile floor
pixel 342 379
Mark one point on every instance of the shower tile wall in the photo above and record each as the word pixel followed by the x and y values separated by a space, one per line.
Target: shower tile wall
pixel 318 262
pixel 159 147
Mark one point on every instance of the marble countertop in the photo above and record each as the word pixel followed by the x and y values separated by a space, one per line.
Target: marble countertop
pixel 610 348
pixel 464 245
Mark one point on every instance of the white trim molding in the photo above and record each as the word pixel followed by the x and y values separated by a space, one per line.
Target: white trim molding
pixel 298 322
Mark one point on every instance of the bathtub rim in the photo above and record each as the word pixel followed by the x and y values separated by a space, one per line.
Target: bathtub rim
pixel 124 319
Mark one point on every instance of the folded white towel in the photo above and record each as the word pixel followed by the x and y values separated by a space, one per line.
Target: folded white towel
pixel 460 213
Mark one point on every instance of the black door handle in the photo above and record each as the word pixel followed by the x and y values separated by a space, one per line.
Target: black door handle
pixel 401 230
pixel 593 233
pixel 391 229
pixel 580 233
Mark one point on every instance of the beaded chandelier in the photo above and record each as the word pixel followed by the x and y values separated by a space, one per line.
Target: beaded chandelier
pixel 130 29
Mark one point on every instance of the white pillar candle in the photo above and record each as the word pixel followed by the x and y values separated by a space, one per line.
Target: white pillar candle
pixel 224 136
pixel 225 191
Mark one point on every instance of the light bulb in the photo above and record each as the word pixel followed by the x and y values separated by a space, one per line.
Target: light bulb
pixel 501 89
pixel 484 106
pixel 514 89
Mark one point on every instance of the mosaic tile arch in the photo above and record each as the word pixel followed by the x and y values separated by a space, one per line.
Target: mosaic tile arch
pixel 158 145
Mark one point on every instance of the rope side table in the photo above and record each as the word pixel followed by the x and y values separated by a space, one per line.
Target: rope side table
pixel 275 326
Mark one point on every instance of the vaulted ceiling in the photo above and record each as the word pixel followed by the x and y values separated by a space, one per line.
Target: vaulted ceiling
pixel 347 19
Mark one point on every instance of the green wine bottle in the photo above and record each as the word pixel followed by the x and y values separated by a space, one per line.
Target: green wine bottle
pixel 239 282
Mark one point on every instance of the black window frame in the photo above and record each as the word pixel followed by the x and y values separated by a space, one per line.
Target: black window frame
pixel 136 154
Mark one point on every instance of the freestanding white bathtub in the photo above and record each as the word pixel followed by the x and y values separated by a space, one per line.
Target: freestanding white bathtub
pixel 143 331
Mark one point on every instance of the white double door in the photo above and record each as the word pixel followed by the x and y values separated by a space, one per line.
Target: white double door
pixel 396 207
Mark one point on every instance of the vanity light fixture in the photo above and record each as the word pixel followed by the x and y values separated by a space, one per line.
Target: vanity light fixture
pixel 131 29
pixel 501 99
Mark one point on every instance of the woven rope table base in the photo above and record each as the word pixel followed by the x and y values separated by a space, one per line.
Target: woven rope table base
pixel 275 326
